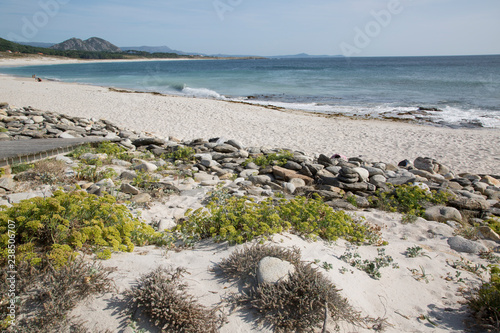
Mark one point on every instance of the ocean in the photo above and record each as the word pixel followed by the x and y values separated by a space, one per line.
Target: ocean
pixel 455 91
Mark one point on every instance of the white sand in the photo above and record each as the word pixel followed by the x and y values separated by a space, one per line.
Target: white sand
pixel 464 150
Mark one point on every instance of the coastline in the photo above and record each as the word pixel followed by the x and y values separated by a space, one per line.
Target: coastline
pixel 465 150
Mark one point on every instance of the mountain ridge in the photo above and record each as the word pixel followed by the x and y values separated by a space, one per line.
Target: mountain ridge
pixel 93 44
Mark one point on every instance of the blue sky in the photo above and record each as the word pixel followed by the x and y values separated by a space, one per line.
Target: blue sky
pixel 265 27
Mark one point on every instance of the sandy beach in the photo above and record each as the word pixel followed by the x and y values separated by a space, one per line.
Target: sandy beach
pixel 422 294
pixel 464 150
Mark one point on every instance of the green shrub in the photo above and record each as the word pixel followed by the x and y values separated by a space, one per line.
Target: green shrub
pixel 279 159
pixel 494 223
pixel 238 220
pixel 53 228
pixel 484 303
pixel 185 154
pixel 94 173
pixel 162 296
pixel 22 167
pixel 3 130
pixel 411 200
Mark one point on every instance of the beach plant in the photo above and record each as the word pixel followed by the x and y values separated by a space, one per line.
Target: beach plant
pixel 494 224
pixel 182 153
pixel 48 171
pixel 21 167
pixel 408 199
pixel 94 173
pixel 468 266
pixel 47 295
pixel 484 302
pixel 302 303
pixel 420 275
pixel 371 267
pixel 241 219
pixel 416 251
pixel 279 159
pixel 53 229
pixel 161 295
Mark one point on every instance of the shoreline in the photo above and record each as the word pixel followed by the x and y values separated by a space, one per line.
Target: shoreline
pixel 463 149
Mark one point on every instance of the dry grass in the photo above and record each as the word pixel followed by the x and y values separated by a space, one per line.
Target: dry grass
pixel 162 296
pixel 47 295
pixel 304 303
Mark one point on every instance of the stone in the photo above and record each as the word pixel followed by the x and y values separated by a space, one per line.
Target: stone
pixel 94 189
pixel 325 160
pixel 66 135
pixel 274 270
pixel 488 233
pixel 405 164
pixel 129 189
pixel 4 137
pixel 106 183
pixel 442 214
pixel 128 175
pixel 461 244
pixel 289 188
pixel 7 183
pixel 142 198
pixel 364 174
pixel 121 163
pixel 491 181
pixel 341 204
pixel 298 182
pixel 287 175
pixel 146 167
pixel 209 163
pixel 377 179
pixel 249 172
pixel 260 179
pixel 64 159
pixel 426 163
pixel 202 176
pixel 236 144
pixel 18 197
pixel 401 180
pixel 334 169
pixel 225 148
pixel 469 204
pixel 146 141
pixel 293 166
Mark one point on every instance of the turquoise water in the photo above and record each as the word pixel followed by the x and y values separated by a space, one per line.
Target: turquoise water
pixel 466 89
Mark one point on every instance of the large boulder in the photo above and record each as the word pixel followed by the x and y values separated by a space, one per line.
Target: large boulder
pixel 442 214
pixel 274 270
pixel 287 175
pixel 461 244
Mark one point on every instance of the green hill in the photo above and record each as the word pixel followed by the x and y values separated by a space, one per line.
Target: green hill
pixel 6 45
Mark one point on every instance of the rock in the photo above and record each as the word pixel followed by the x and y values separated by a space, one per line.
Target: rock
pixel 289 188
pixel 225 148
pixel 491 181
pixel 427 164
pixel 236 144
pixel 287 175
pixel 461 244
pixel 442 214
pixel 298 182
pixel 146 167
pixel 377 179
pixel 203 177
pixel 274 270
pixel 405 164
pixel 142 198
pixel 128 175
pixel 4 137
pixel 325 160
pixel 341 204
pixel 64 159
pixel 147 141
pixel 66 135
pixel 293 166
pixel 18 197
pixel 95 190
pixel 462 181
pixel 108 183
pixel 488 233
pixel 469 204
pixel 38 119
pixel 260 179
pixel 364 174
pixel 401 180
pixel 121 163
pixel 7 183
pixel 249 172
pixel 209 163
pixel 129 189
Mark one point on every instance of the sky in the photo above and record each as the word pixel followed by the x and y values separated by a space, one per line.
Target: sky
pixel 265 27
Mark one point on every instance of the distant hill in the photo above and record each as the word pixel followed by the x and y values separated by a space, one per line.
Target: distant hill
pixel 153 49
pixel 93 44
pixel 37 44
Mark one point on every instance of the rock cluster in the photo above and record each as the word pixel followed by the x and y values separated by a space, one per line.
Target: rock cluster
pixel 219 160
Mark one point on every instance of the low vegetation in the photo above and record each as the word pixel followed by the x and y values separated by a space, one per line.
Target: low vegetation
pixel 240 219
pixel 484 303
pixel 162 296
pixel 279 159
pixel 303 303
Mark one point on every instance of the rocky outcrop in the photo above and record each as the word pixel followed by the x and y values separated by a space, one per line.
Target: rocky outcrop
pixel 93 44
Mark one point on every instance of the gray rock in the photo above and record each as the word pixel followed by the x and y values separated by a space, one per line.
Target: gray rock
pixel 341 204
pixel 236 144
pixel 293 166
pixel 401 180
pixel 64 159
pixel 298 182
pixel 7 183
pixel 225 148
pixel 461 244
pixel 377 179
pixel 364 175
pixel 274 270
pixel 146 167
pixel 488 233
pixel 147 141
pixel 66 135
pixel 129 189
pixel 142 198
pixel 249 172
pixel 427 164
pixel 469 204
pixel 334 169
pixel 209 163
pixel 18 197
pixel 128 175
pixel 121 163
pixel 442 214
pixel 106 183
pixel 201 177
pixel 289 188
pixel 261 179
